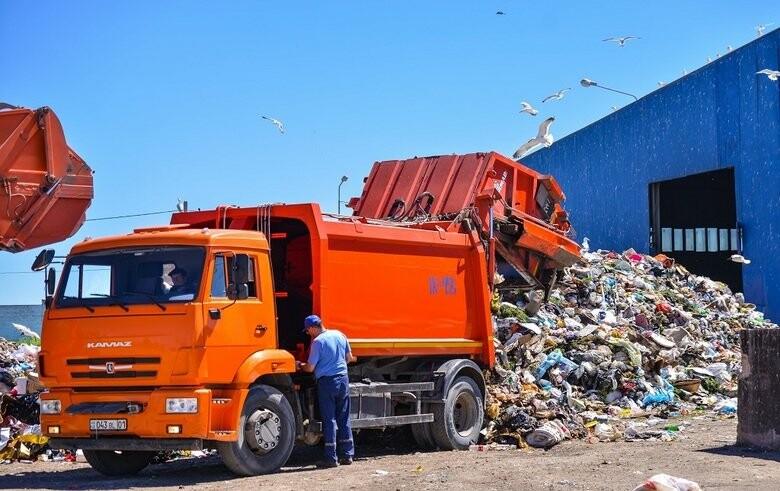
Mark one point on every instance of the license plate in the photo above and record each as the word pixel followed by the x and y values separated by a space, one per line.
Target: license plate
pixel 107 424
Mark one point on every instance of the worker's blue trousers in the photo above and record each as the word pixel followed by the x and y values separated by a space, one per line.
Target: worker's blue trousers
pixel 333 395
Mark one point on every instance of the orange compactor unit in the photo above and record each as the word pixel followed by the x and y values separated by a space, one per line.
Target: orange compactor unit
pixel 516 211
pixel 408 277
pixel 46 186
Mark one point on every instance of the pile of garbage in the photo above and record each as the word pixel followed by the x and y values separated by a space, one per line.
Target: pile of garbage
pixel 624 342
pixel 20 429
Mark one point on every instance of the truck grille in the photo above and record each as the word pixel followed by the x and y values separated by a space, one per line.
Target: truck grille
pixel 114 368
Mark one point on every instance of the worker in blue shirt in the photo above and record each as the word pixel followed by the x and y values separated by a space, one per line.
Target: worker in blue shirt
pixel 328 357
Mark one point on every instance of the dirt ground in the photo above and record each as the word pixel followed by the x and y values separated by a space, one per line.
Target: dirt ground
pixel 706 454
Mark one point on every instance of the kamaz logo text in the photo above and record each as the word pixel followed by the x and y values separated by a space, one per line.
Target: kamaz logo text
pixel 111 344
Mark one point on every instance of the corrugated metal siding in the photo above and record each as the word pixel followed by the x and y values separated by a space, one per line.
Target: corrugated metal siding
pixel 723 115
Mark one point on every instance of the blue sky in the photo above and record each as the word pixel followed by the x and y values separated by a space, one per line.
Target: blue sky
pixel 163 99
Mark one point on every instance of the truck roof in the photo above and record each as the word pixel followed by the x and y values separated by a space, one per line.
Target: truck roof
pixel 174 235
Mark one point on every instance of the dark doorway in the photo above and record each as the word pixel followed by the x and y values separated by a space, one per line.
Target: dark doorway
pixel 693 219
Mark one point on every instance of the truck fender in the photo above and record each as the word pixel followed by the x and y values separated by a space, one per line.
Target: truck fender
pixel 283 383
pixel 449 370
pixel 265 362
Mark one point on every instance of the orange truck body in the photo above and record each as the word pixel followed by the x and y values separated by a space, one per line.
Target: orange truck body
pixel 46 186
pixel 411 290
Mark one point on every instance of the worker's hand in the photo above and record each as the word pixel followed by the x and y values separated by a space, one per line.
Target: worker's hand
pixel 298 365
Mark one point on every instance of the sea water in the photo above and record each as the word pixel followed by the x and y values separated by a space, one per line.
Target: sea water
pixel 27 315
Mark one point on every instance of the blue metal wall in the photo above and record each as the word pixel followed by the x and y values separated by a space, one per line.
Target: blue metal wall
pixel 723 115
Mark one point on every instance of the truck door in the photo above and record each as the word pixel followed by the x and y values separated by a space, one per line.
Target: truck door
pixel 239 327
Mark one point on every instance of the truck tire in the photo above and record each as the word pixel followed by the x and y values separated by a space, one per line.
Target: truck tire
pixel 116 463
pixel 266 434
pixel 422 432
pixel 457 422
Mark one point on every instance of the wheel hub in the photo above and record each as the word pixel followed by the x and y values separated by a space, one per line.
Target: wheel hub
pixel 464 414
pixel 263 430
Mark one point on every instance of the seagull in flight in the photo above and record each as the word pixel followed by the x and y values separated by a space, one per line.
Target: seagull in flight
pixel 761 28
pixel 276 123
pixel 527 108
pixel 500 13
pixel 543 137
pixel 26 331
pixel 772 74
pixel 557 96
pixel 738 258
pixel 621 41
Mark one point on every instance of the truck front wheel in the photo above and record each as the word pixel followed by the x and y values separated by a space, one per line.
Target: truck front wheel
pixel 266 434
pixel 457 422
pixel 116 463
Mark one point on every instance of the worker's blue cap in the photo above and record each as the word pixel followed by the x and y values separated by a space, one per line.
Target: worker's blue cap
pixel 312 320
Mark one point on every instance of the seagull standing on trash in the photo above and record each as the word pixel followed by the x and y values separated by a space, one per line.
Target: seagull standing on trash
pixel 772 74
pixel 738 258
pixel 543 137
pixel 26 331
pixel 585 245
pixel 276 123
pixel 527 108
pixel 557 96
pixel 621 40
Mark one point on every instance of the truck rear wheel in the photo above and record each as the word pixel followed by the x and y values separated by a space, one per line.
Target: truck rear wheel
pixel 457 422
pixel 422 433
pixel 118 463
pixel 266 434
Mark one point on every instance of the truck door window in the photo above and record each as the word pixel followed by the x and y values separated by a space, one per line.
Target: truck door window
pixel 219 281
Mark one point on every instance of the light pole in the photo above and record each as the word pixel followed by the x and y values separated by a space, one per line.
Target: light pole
pixel 590 83
pixel 343 180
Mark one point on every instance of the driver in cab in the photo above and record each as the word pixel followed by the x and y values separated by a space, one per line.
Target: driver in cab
pixel 181 284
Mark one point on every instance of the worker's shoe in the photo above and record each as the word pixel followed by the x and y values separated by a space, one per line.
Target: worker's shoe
pixel 345 461
pixel 327 464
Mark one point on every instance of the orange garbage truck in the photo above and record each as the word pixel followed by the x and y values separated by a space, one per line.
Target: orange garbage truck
pixel 134 368
pixel 46 186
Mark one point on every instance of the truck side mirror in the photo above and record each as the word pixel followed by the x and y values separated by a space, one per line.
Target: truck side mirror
pixel 43 259
pixel 239 277
pixel 51 281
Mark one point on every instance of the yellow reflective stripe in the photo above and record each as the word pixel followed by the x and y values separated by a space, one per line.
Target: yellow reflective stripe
pixel 414 343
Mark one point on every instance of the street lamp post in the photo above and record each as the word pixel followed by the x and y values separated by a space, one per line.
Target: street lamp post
pixel 590 83
pixel 343 180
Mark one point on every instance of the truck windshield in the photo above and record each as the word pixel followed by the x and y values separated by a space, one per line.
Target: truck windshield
pixel 132 276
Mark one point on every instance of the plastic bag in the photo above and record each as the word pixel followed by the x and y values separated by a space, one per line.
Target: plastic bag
pixel 666 394
pixel 556 358
pixel 665 482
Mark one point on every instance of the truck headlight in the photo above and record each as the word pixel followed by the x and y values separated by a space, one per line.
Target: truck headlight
pixel 51 406
pixel 181 405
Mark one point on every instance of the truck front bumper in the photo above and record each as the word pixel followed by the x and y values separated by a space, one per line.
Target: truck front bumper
pixel 134 419
pixel 119 443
